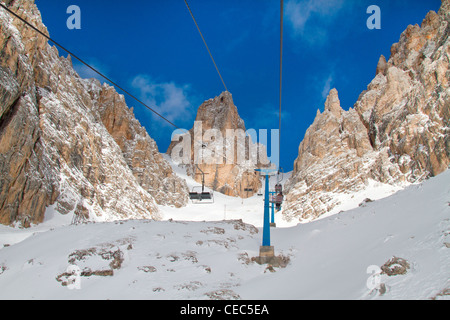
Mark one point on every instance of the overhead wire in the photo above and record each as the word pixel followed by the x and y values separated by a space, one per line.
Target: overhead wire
pixel 206 45
pixel 281 77
pixel 130 94
pixel 95 70
pixel 89 66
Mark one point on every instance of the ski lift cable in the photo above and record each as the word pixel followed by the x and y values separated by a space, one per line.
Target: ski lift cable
pixel 204 41
pixel 281 61
pixel 281 74
pixel 88 65
pixel 92 68
pixel 107 78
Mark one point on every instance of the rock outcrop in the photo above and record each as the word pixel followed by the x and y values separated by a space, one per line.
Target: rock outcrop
pixel 218 146
pixel 397 133
pixel 70 143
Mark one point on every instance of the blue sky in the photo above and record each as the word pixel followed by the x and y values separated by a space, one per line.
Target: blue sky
pixel 153 49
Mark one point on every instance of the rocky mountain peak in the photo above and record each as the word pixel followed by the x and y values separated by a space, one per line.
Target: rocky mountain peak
pixel 397 133
pixel 220 113
pixel 382 66
pixel 333 104
pixel 221 132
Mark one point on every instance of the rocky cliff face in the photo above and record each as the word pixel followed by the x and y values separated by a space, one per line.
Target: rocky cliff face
pixel 397 132
pixel 219 148
pixel 67 142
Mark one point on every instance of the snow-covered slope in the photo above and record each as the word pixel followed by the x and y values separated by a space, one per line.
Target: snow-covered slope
pixel 332 256
pixel 328 258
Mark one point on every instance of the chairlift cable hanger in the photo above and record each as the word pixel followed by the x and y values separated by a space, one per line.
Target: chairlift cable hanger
pixel 281 75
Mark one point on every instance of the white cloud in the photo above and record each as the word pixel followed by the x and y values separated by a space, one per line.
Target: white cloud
pixel 167 98
pixel 327 87
pixel 310 19
pixel 86 73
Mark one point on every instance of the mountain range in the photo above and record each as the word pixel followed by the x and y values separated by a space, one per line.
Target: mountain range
pixel 73 146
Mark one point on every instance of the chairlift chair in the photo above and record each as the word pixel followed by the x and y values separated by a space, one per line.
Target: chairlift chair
pixel 248 187
pixel 203 197
pixel 278 196
pixel 279 188
pixel 200 197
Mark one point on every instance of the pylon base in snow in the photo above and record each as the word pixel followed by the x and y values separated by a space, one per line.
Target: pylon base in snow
pixel 266 255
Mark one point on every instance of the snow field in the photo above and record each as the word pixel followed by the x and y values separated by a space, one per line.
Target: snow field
pixel 184 257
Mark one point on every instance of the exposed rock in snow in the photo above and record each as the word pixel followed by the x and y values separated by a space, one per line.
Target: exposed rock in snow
pixel 394 248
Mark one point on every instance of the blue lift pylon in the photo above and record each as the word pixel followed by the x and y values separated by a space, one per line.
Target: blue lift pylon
pixel 266 251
